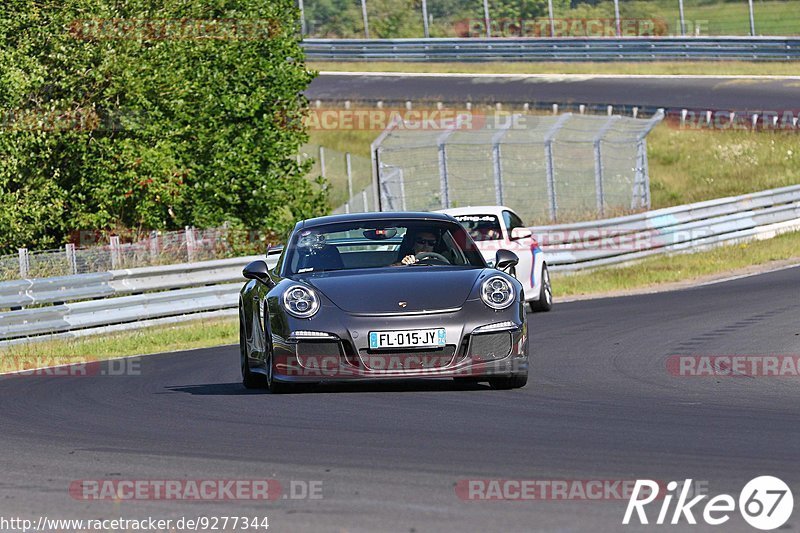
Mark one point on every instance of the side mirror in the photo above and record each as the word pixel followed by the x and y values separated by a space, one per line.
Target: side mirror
pixel 505 259
pixel 520 233
pixel 257 270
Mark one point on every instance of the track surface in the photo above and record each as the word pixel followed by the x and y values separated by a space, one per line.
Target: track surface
pixel 692 93
pixel 600 405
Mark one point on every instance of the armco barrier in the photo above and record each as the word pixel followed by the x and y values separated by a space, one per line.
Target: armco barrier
pixel 683 228
pixel 556 49
pixel 122 299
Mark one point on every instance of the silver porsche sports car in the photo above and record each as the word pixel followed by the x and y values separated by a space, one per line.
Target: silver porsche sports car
pixel 375 296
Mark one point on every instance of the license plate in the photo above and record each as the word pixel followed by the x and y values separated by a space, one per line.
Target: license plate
pixel 412 338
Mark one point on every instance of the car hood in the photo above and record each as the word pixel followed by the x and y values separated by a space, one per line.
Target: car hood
pixel 382 290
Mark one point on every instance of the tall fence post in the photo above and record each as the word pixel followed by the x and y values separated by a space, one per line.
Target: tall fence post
pixel 302 18
pixel 375 156
pixel 72 261
pixel 322 162
pixel 114 251
pixel 444 186
pixel 364 16
pixel 643 166
pixel 425 28
pixel 550 167
pixel 552 19
pixel 616 18
pixel 682 19
pixel 153 246
pixel 497 160
pixel 752 20
pixel 24 263
pixel 349 170
pixel 598 165
pixel 190 244
pixel 486 19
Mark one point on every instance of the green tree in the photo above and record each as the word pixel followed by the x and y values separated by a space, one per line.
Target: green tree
pixel 192 119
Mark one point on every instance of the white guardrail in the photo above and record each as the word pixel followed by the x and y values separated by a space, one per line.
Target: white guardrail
pixel 72 306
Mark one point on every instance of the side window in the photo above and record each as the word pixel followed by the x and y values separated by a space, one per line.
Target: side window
pixel 512 221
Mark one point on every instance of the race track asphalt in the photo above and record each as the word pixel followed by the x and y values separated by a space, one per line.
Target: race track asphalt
pixel 777 95
pixel 600 405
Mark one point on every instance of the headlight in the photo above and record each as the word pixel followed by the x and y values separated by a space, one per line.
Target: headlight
pixel 300 301
pixel 497 293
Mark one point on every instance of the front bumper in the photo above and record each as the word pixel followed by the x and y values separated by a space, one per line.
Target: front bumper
pixel 333 351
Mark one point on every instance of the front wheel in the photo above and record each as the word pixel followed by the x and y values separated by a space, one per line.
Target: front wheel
pixel 250 380
pixel 545 301
pixel 274 386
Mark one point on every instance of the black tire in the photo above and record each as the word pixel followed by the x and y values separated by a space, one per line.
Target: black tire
pixel 545 301
pixel 251 380
pixel 275 387
pixel 516 381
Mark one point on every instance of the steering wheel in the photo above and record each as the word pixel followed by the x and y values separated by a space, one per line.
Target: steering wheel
pixel 432 255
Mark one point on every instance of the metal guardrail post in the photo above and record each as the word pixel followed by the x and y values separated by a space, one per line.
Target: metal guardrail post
pixel 72 261
pixel 24 263
pixel 497 161
pixel 549 166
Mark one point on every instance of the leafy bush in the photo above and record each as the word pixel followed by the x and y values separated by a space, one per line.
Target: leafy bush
pixel 119 125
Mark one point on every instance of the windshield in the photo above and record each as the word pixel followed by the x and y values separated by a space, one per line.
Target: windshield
pixel 379 244
pixel 481 227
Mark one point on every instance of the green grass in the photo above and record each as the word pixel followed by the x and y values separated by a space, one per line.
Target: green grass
pixel 689 166
pixel 678 267
pixel 183 336
pixel 710 68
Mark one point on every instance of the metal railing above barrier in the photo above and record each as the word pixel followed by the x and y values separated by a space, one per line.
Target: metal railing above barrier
pixel 556 49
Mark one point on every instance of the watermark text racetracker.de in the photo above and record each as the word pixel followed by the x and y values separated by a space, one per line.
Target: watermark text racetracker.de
pixel 15 366
pixel 479 490
pixel 122 490
pixel 192 523
pixel 734 365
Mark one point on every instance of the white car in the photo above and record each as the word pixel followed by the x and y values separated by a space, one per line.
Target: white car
pixel 495 227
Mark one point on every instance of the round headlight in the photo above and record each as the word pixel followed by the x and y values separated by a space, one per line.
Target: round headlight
pixel 497 293
pixel 300 301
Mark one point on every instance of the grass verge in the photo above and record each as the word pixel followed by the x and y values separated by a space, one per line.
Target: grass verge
pixel 184 336
pixel 680 268
pixel 707 68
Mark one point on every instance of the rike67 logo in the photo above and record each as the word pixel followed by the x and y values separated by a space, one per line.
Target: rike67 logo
pixel 765 503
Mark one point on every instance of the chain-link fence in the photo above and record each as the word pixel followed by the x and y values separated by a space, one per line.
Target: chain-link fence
pixel 349 178
pixel 556 18
pixel 547 168
pixel 156 248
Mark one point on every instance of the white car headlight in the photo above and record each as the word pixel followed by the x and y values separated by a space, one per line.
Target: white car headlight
pixel 497 292
pixel 300 301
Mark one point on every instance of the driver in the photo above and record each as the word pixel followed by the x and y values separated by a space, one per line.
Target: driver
pixel 424 241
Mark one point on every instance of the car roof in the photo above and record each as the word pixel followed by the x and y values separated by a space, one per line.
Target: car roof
pixel 477 210
pixel 371 216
